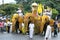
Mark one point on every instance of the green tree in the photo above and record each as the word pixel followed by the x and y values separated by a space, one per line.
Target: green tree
pixel 9 9
pixel 2 12
pixel 54 13
pixel 54 4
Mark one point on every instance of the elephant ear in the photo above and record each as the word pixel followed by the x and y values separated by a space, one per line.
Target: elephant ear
pixel 15 16
pixel 51 22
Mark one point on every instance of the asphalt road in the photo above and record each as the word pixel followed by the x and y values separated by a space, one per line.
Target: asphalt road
pixel 13 36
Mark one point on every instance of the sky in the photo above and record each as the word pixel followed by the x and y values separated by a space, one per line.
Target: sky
pixel 7 1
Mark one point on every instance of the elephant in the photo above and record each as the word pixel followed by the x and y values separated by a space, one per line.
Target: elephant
pixel 20 20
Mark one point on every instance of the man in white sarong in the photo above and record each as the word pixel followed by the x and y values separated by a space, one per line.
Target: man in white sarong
pixel 48 33
pixel 31 30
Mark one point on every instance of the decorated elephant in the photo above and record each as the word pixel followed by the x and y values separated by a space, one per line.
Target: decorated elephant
pixel 34 17
pixel 20 20
pixel 38 20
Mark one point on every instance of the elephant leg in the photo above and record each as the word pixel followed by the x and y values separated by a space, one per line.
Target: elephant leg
pixel 20 28
pixel 41 28
pixel 13 28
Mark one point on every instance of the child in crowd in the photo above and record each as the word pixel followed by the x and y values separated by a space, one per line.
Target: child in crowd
pixel 8 25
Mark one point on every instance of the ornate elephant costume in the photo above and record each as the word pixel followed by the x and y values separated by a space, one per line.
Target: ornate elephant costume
pixel 20 20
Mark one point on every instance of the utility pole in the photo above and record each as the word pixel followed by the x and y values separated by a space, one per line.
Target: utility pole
pixel 2 1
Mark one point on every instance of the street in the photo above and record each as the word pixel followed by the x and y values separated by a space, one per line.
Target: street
pixel 13 36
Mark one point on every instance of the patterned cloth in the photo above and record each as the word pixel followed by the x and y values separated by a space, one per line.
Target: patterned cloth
pixel 1 24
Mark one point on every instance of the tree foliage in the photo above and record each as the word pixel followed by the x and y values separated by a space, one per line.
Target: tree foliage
pixel 8 9
pixel 54 13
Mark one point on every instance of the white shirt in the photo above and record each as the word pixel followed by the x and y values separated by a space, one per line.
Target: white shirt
pixel 5 24
pixel 22 24
pixel 9 23
pixel 48 32
pixel 20 13
pixel 31 26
